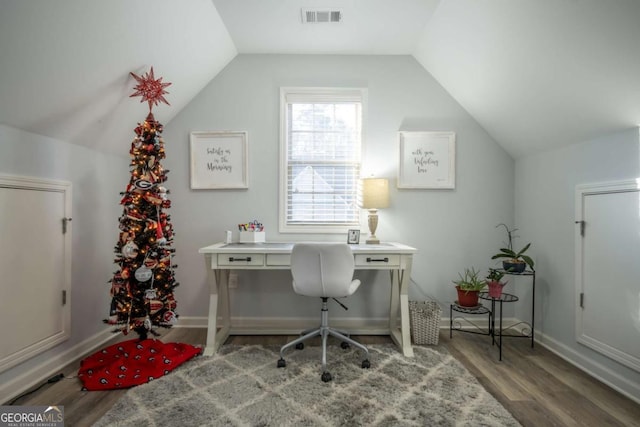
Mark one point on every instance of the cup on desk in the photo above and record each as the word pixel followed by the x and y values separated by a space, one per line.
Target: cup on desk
pixel 253 237
pixel 227 236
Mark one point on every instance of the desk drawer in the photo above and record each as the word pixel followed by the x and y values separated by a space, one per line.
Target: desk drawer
pixel 381 260
pixel 241 259
pixel 278 259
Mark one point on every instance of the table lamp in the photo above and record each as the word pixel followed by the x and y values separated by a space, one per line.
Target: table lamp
pixel 375 195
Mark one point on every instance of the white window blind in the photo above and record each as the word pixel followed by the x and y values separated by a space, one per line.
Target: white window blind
pixel 322 133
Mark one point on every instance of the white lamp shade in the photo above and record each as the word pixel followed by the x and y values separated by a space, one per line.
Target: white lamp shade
pixel 375 193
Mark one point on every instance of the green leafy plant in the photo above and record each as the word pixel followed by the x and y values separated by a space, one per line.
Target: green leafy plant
pixel 494 275
pixel 510 254
pixel 470 280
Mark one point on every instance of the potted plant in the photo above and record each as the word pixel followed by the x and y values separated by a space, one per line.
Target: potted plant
pixel 515 262
pixel 468 287
pixel 494 282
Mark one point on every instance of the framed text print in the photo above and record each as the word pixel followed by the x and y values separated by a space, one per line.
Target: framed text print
pixel 219 160
pixel 427 160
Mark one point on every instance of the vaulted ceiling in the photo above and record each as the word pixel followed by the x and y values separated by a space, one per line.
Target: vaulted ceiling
pixel 535 74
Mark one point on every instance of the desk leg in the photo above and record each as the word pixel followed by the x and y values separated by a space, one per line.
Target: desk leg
pixel 400 300
pixel 218 304
pixel 394 303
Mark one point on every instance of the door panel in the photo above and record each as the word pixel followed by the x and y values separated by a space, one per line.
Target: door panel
pixel 609 320
pixel 33 268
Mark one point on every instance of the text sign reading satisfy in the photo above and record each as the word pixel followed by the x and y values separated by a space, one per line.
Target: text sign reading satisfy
pixel 427 160
pixel 219 160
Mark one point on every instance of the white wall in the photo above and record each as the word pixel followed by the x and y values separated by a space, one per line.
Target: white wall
pixel 96 181
pixel 545 191
pixel 452 229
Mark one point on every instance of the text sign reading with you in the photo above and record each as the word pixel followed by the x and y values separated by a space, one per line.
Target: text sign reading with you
pixel 219 160
pixel 427 160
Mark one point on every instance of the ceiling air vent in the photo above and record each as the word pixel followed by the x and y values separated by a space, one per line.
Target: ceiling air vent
pixel 313 16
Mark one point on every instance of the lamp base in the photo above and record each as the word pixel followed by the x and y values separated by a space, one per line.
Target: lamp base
pixel 373 224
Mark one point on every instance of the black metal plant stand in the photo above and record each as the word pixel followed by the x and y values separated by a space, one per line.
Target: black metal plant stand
pixel 480 309
pixel 498 333
pixel 531 327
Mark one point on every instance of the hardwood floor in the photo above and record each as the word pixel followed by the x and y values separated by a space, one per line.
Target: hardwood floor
pixel 535 385
pixel 538 387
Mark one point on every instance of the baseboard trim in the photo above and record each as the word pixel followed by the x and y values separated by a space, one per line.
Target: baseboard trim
pixel 470 323
pixel 296 323
pixel 38 374
pixel 191 322
pixel 291 325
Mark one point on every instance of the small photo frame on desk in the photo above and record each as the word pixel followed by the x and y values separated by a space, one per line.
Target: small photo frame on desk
pixel 353 237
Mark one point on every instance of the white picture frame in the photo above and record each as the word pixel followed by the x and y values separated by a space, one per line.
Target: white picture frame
pixel 427 160
pixel 219 160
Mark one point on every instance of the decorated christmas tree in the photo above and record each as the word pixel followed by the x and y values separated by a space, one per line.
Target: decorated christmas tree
pixel 142 289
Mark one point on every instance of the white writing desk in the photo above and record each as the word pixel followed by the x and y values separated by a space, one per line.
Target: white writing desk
pixel 221 258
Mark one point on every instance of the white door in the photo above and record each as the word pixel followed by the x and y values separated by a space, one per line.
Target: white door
pixel 608 276
pixel 34 267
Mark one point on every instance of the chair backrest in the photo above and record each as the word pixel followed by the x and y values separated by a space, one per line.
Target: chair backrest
pixel 323 270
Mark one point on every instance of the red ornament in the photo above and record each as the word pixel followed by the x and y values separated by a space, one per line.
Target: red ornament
pixel 150 89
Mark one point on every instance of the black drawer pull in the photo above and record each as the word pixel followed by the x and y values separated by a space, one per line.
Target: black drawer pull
pixel 232 259
pixel 385 259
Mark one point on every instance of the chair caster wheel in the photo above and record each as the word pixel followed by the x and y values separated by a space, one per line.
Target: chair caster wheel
pixel 344 345
pixel 326 377
pixel 366 364
pixel 281 363
pixel 300 346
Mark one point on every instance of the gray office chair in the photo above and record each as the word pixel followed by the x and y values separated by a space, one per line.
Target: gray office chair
pixel 323 270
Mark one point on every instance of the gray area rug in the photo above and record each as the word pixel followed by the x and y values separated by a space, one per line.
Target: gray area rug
pixel 241 386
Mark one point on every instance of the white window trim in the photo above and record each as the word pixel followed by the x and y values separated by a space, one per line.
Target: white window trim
pixel 332 94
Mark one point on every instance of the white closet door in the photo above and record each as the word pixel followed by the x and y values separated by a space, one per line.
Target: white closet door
pixel 609 319
pixel 34 267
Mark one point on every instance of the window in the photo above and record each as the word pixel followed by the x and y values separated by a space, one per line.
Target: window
pixel 321 133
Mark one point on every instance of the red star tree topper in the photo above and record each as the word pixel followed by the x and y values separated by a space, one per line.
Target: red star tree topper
pixel 150 89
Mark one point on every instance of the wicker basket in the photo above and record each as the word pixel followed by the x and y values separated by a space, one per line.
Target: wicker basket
pixel 425 322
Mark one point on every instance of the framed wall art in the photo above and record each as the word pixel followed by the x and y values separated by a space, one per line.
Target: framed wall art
pixel 427 160
pixel 219 160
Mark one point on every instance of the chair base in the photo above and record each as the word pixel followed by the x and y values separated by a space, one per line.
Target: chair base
pixel 324 331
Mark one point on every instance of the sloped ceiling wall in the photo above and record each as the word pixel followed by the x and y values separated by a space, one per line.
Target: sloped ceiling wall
pixel 535 74
pixel 538 74
pixel 64 65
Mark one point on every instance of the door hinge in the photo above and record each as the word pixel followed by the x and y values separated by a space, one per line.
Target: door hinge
pixel 582 225
pixel 64 297
pixel 65 221
pixel 581 299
